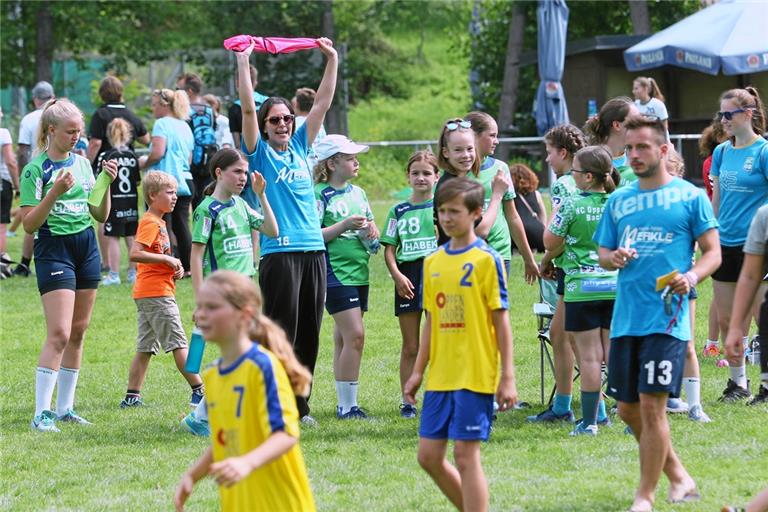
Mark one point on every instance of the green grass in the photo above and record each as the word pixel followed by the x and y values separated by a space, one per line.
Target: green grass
pixel 132 459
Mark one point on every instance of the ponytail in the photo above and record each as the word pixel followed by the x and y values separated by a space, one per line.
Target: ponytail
pixel 177 101
pixel 598 161
pixel 598 128
pixel 119 132
pixel 55 112
pixel 650 84
pixel 222 159
pixel 749 98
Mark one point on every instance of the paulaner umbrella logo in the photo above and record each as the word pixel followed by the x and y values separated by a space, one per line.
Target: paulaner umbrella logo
pixel 753 61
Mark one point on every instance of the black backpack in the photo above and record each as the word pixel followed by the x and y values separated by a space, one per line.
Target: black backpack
pixel 203 124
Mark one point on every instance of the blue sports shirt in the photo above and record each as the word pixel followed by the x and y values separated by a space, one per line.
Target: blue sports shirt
pixel 662 225
pixel 743 174
pixel 179 143
pixel 290 192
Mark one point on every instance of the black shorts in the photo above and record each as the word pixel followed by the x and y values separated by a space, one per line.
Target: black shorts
pixel 413 271
pixel 645 364
pixel 6 200
pixel 560 277
pixel 730 267
pixel 588 315
pixel 693 294
pixel 67 262
pixel 342 298
pixel 120 227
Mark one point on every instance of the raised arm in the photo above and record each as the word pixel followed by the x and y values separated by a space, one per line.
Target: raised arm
pixel 250 133
pixel 325 91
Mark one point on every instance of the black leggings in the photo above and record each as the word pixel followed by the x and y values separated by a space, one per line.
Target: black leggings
pixel 177 223
pixel 293 286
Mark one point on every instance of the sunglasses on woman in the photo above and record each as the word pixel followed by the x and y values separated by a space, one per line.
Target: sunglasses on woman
pixel 275 120
pixel 729 115
pixel 456 124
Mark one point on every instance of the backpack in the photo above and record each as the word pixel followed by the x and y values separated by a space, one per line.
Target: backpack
pixel 203 123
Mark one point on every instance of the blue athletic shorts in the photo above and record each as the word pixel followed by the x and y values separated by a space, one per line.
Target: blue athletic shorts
pixel 645 364
pixel 413 271
pixel 588 315
pixel 67 262
pixel 560 276
pixel 342 298
pixel 461 415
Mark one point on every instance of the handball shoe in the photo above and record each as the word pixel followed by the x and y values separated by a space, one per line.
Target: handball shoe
pixel 131 401
pixel 72 417
pixel 408 411
pixel 761 397
pixel 696 413
pixel 584 430
pixel 733 392
pixel 676 406
pixel 194 426
pixel 354 413
pixel 45 422
pixel 549 416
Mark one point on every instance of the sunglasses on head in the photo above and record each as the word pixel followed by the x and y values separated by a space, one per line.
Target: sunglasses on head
pixel 275 120
pixel 456 124
pixel 729 115
pixel 161 94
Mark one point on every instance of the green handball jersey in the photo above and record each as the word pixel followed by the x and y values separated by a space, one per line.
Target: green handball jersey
pixel 70 213
pixel 621 164
pixel 576 221
pixel 225 230
pixel 347 257
pixel 562 190
pixel 410 228
pixel 498 237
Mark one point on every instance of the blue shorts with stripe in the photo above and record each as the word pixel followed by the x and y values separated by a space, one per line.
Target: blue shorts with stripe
pixel 67 262
pixel 461 415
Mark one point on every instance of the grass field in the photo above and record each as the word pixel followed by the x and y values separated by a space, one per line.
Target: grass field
pixel 132 459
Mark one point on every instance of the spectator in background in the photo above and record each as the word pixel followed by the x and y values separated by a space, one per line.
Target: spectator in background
pixel 711 137
pixel 223 135
pixel 529 205
pixel 9 174
pixel 649 100
pixel 236 112
pixel 41 92
pixel 302 104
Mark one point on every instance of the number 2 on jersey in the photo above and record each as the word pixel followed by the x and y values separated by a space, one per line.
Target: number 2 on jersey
pixel 468 268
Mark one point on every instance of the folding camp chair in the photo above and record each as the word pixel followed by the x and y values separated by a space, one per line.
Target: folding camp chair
pixel 544 311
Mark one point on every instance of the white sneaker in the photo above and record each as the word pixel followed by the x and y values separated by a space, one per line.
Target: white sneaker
pixel 309 421
pixel 45 422
pixel 696 413
pixel 675 405
pixel 110 279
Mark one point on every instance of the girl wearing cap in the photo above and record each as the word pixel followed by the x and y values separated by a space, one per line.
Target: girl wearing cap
pixel 350 237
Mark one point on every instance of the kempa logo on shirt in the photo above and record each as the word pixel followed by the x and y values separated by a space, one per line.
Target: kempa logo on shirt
pixel 70 207
pixel 238 244
pixel 663 198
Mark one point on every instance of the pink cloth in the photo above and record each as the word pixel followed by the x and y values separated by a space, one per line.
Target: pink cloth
pixel 273 45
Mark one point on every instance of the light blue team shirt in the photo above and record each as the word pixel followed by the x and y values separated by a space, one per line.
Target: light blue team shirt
pixel 290 192
pixel 662 225
pixel 743 174
pixel 179 143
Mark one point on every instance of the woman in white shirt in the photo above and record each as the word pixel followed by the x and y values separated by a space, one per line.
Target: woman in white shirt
pixel 649 100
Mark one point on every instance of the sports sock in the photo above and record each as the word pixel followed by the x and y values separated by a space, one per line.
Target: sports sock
pixel 65 398
pixel 561 404
pixel 132 393
pixel 712 342
pixel 201 411
pixel 26 261
pixel 589 401
pixel 346 391
pixel 739 375
pixel 601 414
pixel 692 390
pixel 198 387
pixel 45 382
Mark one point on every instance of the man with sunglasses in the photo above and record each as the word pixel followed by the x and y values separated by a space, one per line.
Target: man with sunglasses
pixel 648 232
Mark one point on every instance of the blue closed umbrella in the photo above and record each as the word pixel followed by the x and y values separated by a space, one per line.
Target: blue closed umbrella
pixel 730 35
pixel 551 109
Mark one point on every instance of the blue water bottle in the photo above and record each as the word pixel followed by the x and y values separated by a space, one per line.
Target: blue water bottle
pixel 196 349
pixel 591 108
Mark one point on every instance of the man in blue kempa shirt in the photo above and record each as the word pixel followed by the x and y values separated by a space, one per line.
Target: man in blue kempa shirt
pixel 648 232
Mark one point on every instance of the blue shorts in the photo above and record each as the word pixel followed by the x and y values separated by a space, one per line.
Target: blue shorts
pixel 413 271
pixel 67 262
pixel 560 276
pixel 645 364
pixel 461 415
pixel 342 298
pixel 588 315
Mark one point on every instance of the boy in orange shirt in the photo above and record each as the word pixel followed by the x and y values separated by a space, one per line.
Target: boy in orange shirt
pixel 158 316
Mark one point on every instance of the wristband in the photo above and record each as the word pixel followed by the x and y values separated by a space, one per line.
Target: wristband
pixel 692 278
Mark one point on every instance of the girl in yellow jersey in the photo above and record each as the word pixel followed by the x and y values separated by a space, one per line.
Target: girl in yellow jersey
pixel 255 456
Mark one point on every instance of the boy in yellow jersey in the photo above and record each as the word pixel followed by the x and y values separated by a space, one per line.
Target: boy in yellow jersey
pixel 251 390
pixel 467 335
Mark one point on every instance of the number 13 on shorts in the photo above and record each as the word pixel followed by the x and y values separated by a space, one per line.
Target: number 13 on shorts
pixel 658 373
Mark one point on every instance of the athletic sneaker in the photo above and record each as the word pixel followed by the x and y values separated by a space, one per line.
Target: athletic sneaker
pixel 110 279
pixel 194 426
pixel 549 416
pixel 408 411
pixel 733 392
pixel 45 422
pixel 194 400
pixel 605 422
pixel 582 430
pixel 309 421
pixel 355 413
pixel 72 417
pixel 761 397
pixel 676 406
pixel 696 413
pixel 131 276
pixel 21 270
pixel 711 350
pixel 131 401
